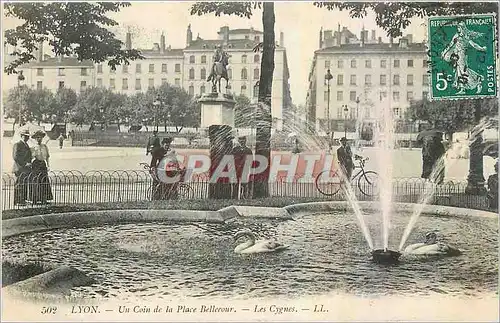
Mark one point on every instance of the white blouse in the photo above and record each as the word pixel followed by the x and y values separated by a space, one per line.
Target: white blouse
pixel 40 152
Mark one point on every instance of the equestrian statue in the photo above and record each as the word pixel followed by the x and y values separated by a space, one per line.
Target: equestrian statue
pixel 219 69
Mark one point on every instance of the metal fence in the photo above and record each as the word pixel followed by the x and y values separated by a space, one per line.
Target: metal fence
pixel 73 187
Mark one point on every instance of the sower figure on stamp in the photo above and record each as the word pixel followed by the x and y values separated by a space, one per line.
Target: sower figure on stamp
pixel 219 69
pixel 22 168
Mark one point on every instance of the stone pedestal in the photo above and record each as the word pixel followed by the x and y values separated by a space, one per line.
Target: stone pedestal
pixel 217 109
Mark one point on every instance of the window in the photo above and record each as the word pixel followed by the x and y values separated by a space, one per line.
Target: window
pixel 256 90
pixel 83 85
pixel 202 89
pixel 352 95
pixel 396 112
pixel 244 59
pixel 203 59
pixel 340 95
pixel 164 81
pixel 164 68
pixel 61 84
pixel 83 72
pixel 339 113
pixel 151 68
pixel 325 96
pixel 191 59
pixel 353 80
pixel 177 82
pixel 99 69
pixel 39 72
pixel 203 74
pixel 191 90
pixel 368 79
pixel 125 69
pixel 425 63
pixel 425 95
pixel 124 84
pixel 340 63
pixel 340 79
pixel 395 96
pixel 138 84
pixel 327 64
pixel 151 83
pixel 396 63
pixel 229 73
pixel 60 71
pixel 256 74
pixel 243 89
pixel 112 84
pixel 191 73
pixel 396 80
pixel 425 79
pixel 138 68
pixel 256 59
pixel 383 79
pixel 39 85
pixel 99 82
pixel 368 63
pixel 409 79
pixel 383 95
pixel 353 63
pixel 257 38
pixel 409 95
pixel 383 63
pixel 177 68
pixel 247 37
pixel 410 63
pixel 244 74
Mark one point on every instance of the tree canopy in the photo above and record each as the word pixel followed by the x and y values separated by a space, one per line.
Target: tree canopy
pixel 70 28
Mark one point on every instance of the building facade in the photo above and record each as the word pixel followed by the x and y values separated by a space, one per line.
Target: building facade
pixel 188 68
pixel 362 72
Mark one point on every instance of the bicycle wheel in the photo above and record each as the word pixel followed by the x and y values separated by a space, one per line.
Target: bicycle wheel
pixel 185 192
pixel 328 182
pixel 368 183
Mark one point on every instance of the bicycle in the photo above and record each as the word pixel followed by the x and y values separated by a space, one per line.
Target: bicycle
pixel 176 190
pixel 366 180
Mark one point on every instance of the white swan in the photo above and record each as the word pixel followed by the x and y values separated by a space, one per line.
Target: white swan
pixel 251 245
pixel 431 247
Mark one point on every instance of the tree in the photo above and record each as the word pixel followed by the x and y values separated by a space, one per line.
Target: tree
pixel 65 100
pixel 264 117
pixel 93 105
pixel 244 114
pixel 394 17
pixel 15 103
pixel 70 28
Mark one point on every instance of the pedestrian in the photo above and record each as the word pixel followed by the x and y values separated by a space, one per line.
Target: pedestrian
pixel 493 189
pixel 344 156
pixel 153 146
pixel 21 154
pixel 61 140
pixel 168 189
pixel 40 191
pixel 240 154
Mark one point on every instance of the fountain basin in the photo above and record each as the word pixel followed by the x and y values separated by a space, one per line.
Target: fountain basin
pixel 385 256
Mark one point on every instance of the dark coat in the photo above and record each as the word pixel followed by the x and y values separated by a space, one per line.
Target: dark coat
pixel 21 154
pixel 153 144
pixel 344 156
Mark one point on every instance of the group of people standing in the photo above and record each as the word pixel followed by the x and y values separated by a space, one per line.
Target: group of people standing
pixel 31 165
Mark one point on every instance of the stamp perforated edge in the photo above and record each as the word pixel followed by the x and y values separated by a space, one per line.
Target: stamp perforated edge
pixel 495 52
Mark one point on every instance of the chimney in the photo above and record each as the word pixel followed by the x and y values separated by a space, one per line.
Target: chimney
pixel 362 43
pixel 366 36
pixel 391 41
pixel 156 47
pixel 373 35
pixel 162 43
pixel 380 40
pixel 40 51
pixel 282 39
pixel 403 42
pixel 128 41
pixel 321 38
pixel 339 35
pixel 189 36
pixel 59 58
pixel 409 37
pixel 224 31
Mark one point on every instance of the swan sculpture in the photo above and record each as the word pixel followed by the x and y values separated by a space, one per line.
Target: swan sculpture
pixel 251 245
pixel 431 247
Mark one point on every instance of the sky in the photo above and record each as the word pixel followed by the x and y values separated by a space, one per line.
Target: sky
pixel 300 22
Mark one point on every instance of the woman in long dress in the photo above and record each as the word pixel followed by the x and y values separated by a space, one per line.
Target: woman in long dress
pixel 41 192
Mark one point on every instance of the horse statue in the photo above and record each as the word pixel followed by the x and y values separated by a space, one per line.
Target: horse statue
pixel 219 69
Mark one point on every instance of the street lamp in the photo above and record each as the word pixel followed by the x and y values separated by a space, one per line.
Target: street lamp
pixel 357 107
pixel 101 111
pixel 156 104
pixel 328 78
pixel 346 113
pixel 20 78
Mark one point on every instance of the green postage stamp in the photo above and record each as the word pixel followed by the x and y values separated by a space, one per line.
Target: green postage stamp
pixel 462 57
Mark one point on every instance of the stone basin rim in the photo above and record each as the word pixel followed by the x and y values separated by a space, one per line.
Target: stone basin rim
pixel 81 219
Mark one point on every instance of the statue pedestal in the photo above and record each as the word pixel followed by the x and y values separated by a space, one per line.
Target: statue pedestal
pixel 217 109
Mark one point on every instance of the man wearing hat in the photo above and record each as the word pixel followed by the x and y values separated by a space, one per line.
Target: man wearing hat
pixel 344 156
pixel 153 147
pixel 21 153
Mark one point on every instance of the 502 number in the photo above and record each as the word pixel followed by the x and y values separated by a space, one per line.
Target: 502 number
pixel 49 310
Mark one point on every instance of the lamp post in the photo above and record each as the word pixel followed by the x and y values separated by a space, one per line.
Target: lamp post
pixel 346 112
pixel 328 78
pixel 101 112
pixel 156 105
pixel 20 78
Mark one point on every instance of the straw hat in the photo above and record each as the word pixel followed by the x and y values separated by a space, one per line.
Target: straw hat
pixel 38 134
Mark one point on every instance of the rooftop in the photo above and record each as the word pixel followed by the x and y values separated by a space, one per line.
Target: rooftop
pixel 244 31
pixel 382 47
pixel 210 44
pixel 167 52
pixel 60 62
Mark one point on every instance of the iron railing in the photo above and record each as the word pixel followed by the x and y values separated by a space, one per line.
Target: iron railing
pixel 73 187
